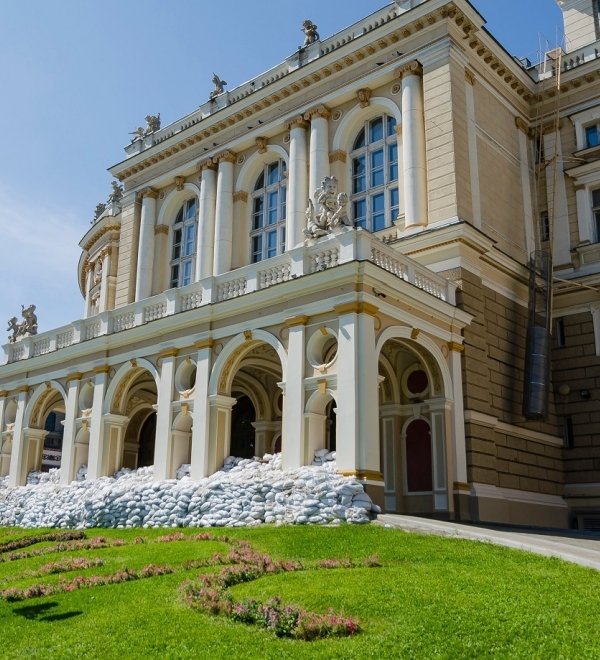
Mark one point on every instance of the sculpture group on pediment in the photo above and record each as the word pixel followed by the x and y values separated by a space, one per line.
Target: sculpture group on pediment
pixel 117 192
pixel 327 209
pixel 152 125
pixel 310 33
pixel 28 326
pixel 219 84
pixel 99 210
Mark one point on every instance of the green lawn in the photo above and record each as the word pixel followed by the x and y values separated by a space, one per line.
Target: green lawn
pixel 431 597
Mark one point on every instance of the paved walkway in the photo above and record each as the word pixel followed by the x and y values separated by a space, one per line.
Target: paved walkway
pixel 577 547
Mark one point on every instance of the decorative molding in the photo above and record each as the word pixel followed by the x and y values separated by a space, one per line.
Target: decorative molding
pixel 99 234
pixel 248 335
pixel 364 97
pixel 297 122
pixel 168 352
pixel 240 196
pixel 24 389
pixel 104 369
pixel 207 164
pixel 204 343
pixel 294 321
pixel 461 486
pixel 363 475
pixel 521 124
pixel 414 333
pixel 261 145
pixel 456 347
pixel 179 182
pixel 226 156
pixel 357 307
pixel 338 156
pixel 319 111
pixel 77 375
pixel 3 394
pixel 412 68
pixel 470 77
pixel 161 229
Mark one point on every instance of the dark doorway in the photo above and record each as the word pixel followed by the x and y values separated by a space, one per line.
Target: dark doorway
pixel 331 425
pixel 52 452
pixel 147 442
pixel 418 457
pixel 242 431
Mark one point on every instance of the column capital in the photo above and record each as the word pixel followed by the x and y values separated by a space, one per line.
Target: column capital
pixel 226 156
pixel 302 319
pixel 456 347
pixel 24 389
pixel 149 192
pixel 161 229
pixel 77 375
pixel 103 369
pixel 318 111
pixel 207 164
pixel 413 68
pixel 521 124
pixel 3 394
pixel 296 122
pixel 240 196
pixel 168 352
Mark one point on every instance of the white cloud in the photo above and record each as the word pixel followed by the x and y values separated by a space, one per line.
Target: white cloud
pixel 38 260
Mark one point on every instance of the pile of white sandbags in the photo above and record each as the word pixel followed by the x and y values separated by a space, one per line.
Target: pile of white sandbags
pixel 324 457
pixel 245 492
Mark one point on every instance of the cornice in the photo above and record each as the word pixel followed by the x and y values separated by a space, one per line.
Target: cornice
pixel 99 234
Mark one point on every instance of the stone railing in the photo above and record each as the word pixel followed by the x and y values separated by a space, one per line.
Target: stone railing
pixel 322 254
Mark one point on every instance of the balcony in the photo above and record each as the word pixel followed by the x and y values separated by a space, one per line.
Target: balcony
pixel 327 252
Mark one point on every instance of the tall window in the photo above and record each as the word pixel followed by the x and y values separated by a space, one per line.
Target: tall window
pixel 596 213
pixel 183 251
pixel 375 198
pixel 267 235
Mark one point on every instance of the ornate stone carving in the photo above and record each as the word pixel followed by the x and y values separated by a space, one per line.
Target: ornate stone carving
pixel 152 125
pixel 226 156
pixel 319 111
pixel 116 195
pixel 310 33
pixel 219 86
pixel 521 124
pixel 469 77
pixel 149 192
pixel 364 97
pixel 179 182
pixel 297 122
pixel 338 156
pixel 410 68
pixel 28 326
pixel 207 164
pixel 327 211
pixel 261 144
pixel 240 196
pixel 98 271
pixel 99 210
pixel 161 229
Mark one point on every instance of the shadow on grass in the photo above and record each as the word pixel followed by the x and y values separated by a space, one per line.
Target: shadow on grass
pixel 37 612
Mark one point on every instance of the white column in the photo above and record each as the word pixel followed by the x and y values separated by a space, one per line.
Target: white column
pixel 224 213
pixel 557 200
pixel 459 445
pixel 413 146
pixel 206 224
pixel 106 265
pixel 88 286
pixel 357 430
pixel 220 408
pixel 526 186
pixel 298 193
pixel 17 457
pixel 319 147
pixel 163 443
pixel 68 444
pixel 96 450
pixel 4 438
pixel 293 453
pixel 143 276
pixel 200 427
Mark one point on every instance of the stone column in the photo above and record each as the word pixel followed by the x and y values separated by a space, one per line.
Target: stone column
pixel 143 276
pixel 263 436
pixel 319 146
pixel 413 146
pixel 297 195
pixel 163 443
pixel 67 459
pixel 224 213
pixel 220 430
pixel 315 429
pixel 15 474
pixel 88 285
pixel 357 431
pixel 205 247
pixel 105 255
pixel 96 450
pixel 293 452
pixel 200 427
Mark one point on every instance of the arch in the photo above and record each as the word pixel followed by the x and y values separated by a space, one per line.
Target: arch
pixel 173 201
pixel 40 398
pixel 391 382
pixel 234 351
pixel 355 118
pixel 252 167
pixel 125 370
pixel 317 401
pixel 424 342
pixel 418 457
pixel 255 391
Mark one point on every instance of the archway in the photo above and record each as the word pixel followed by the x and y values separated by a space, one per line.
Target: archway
pixel 320 423
pixel 412 412
pixel 52 450
pixel 243 434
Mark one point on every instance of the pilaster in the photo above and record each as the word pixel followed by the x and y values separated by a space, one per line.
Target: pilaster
pixel 206 230
pixel 298 192
pixel 145 260
pixel 163 443
pixel 200 427
pixel 224 213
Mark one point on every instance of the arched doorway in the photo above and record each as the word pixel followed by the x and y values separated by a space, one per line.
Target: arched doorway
pixel 412 413
pixel 146 442
pixel 243 434
pixel 52 450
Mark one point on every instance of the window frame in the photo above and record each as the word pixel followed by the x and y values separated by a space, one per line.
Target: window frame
pixel 184 230
pixel 268 219
pixel 375 190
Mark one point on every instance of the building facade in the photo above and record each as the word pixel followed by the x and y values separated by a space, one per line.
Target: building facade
pixel 336 255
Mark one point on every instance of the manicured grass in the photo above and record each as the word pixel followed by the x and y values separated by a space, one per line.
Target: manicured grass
pixel 431 597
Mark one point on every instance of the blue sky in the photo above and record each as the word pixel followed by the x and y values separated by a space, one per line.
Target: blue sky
pixel 77 75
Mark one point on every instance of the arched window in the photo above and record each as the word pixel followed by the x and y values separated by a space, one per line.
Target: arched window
pixel 183 251
pixel 375 198
pixel 267 235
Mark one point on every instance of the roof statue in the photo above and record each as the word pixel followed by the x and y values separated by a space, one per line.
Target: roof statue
pixel 117 191
pixel 26 327
pixel 219 86
pixel 152 125
pixel 98 211
pixel 310 33
pixel 327 211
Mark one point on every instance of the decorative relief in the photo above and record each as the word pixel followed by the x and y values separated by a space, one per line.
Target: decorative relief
pixel 241 159
pixel 152 125
pixel 413 68
pixel 161 229
pixel 28 326
pixel 521 124
pixel 240 196
pixel 149 192
pixel 225 156
pixel 336 115
pixel 320 111
pixel 179 182
pixel 469 77
pixel 310 33
pixel 327 211
pixel 261 145
pixel 338 156
pixel 396 88
pixel 364 97
pixel 219 86
pixel 207 164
